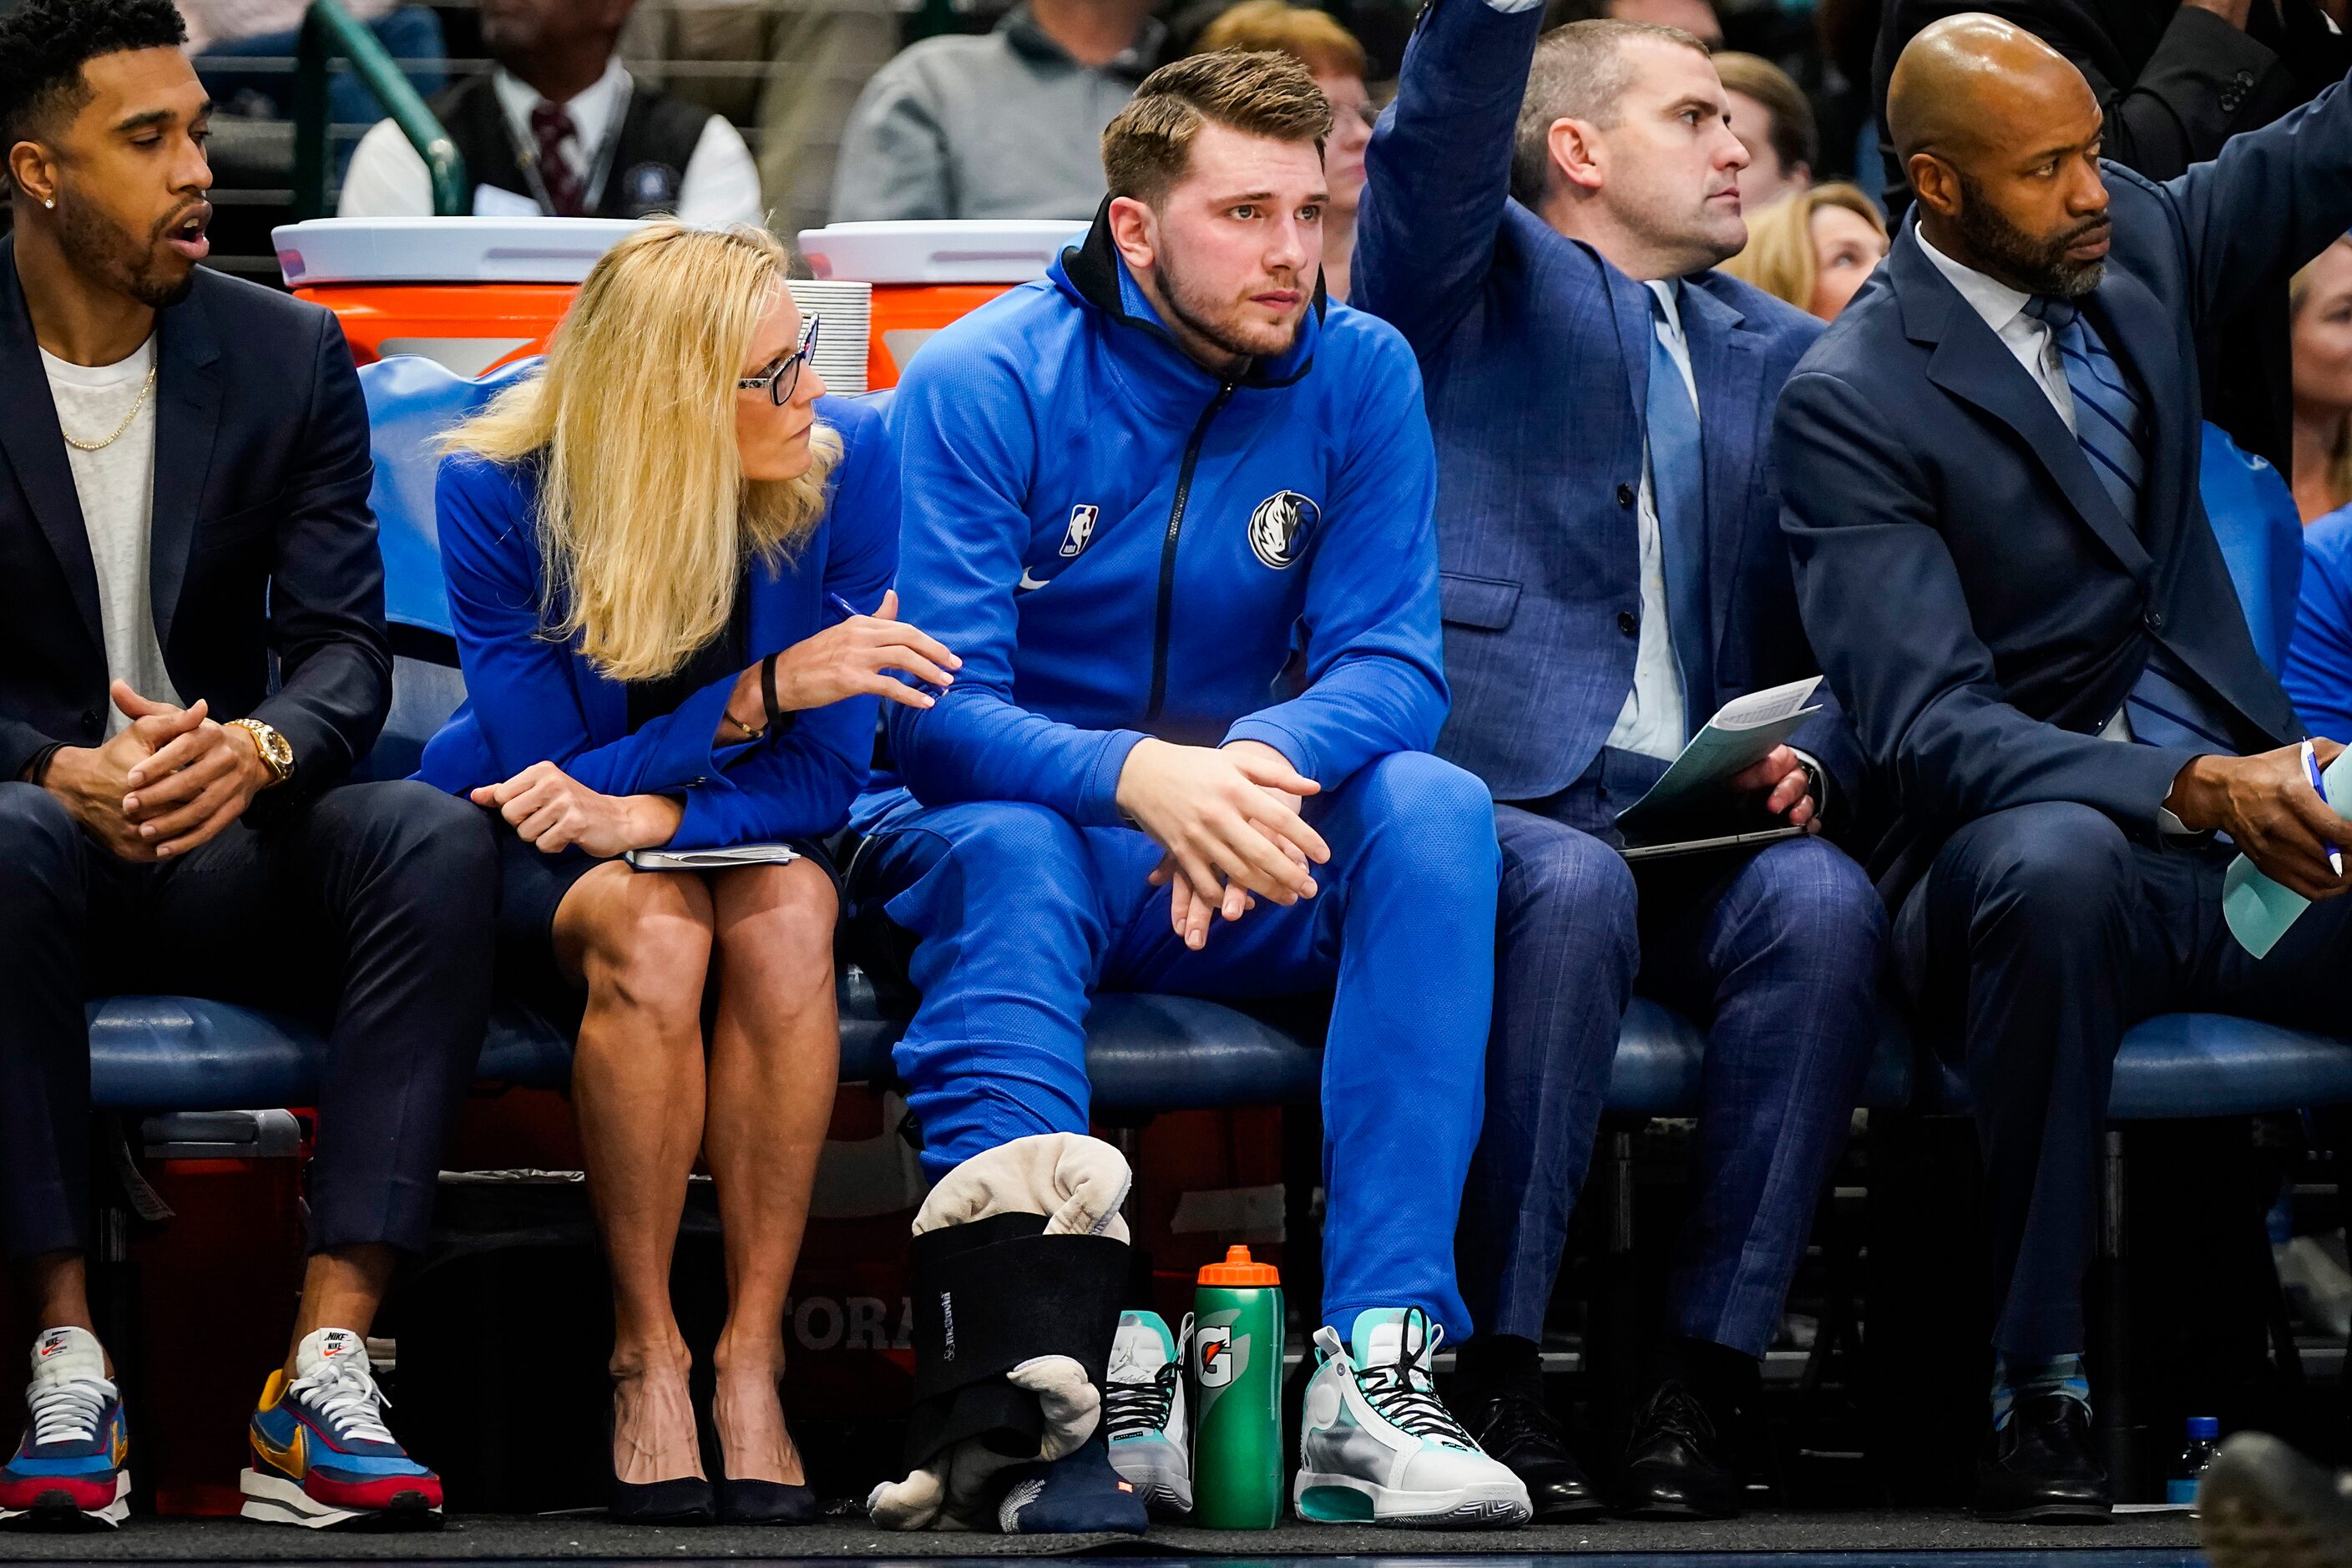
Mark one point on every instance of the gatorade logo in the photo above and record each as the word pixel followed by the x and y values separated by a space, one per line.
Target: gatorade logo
pixel 1216 1356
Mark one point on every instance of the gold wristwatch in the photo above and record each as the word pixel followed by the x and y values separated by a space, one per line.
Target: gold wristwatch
pixel 276 753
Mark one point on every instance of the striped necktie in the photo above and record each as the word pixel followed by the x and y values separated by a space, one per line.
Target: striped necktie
pixel 2165 705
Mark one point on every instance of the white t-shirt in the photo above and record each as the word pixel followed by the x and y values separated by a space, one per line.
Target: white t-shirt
pixel 116 487
pixel 719 184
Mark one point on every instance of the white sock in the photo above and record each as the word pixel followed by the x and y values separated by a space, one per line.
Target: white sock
pixel 322 1345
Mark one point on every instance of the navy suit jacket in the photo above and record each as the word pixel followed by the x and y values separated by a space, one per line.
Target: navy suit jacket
pixel 266 588
pixel 1536 356
pixel 1981 605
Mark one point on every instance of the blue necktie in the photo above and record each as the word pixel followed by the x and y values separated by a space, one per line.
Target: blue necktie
pixel 2164 705
pixel 1678 489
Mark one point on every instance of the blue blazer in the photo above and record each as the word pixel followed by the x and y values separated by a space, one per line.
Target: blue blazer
pixel 1535 356
pixel 1981 605
pixel 529 701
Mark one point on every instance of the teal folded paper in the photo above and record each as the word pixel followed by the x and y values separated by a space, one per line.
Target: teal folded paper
pixel 2258 911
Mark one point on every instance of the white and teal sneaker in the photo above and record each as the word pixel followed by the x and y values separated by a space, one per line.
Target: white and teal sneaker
pixel 1379 1448
pixel 1143 1406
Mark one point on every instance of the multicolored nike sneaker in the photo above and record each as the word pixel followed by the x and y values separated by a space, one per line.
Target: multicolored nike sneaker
pixel 322 1454
pixel 71 1471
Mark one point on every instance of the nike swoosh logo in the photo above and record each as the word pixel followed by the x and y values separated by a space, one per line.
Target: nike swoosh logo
pixel 1029 585
pixel 288 1458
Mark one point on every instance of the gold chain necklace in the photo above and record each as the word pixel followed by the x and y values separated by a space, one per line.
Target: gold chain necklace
pixel 137 404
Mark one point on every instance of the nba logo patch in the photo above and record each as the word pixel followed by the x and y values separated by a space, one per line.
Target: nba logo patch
pixel 1081 530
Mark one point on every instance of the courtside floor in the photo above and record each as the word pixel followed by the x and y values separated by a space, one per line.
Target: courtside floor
pixel 1841 1540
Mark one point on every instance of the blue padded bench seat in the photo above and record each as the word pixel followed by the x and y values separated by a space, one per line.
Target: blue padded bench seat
pixel 2185 1066
pixel 1146 1053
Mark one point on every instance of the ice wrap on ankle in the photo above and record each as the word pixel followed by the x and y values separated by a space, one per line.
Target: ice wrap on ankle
pixel 989 1296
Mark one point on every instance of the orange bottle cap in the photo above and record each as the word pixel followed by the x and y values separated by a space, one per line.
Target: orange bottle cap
pixel 1237 1270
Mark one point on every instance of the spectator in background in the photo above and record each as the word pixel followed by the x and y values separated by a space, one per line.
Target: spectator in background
pixel 561 128
pixel 1695 17
pixel 228 30
pixel 1815 248
pixel 1316 41
pixel 801 66
pixel 1007 125
pixel 1773 121
pixel 2319 319
pixel 2175 78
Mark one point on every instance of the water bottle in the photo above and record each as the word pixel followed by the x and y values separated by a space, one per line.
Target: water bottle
pixel 1237 1374
pixel 2188 1471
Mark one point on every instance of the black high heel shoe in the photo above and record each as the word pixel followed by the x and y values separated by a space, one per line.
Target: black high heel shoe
pixel 685 1499
pixel 761 1503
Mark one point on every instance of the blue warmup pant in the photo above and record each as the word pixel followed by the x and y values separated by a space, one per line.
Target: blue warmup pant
pixel 1022 916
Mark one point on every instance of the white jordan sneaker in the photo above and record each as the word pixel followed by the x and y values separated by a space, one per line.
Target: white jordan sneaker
pixel 1379 1448
pixel 1143 1409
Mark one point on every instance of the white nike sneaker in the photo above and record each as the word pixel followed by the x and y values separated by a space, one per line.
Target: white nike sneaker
pixel 1379 1448
pixel 1143 1409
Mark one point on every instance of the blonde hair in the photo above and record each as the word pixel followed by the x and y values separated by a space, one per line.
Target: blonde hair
pixel 1778 258
pixel 646 521
pixel 2339 451
pixel 1314 38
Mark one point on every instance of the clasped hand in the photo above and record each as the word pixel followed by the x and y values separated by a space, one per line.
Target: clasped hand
pixel 1228 817
pixel 2267 806
pixel 167 783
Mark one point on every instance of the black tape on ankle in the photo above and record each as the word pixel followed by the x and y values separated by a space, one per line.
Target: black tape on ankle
pixel 989 1296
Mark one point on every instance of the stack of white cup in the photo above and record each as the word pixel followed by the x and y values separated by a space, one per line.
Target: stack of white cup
pixel 846 311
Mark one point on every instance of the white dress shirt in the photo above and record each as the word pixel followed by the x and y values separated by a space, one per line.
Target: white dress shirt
pixel 1653 722
pixel 719 185
pixel 2030 339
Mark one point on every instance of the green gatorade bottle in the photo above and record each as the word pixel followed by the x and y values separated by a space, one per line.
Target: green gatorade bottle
pixel 1237 1371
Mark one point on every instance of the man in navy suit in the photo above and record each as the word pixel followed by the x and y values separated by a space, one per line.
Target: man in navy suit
pixel 1991 466
pixel 1539 221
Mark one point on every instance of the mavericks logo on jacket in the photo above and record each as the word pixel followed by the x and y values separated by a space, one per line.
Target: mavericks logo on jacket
pixel 1276 526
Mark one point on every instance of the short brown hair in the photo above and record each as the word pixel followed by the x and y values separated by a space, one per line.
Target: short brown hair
pixel 1149 147
pixel 1578 73
pixel 1792 134
pixel 1314 38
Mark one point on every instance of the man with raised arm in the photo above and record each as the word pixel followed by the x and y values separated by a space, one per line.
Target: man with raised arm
pixel 1541 221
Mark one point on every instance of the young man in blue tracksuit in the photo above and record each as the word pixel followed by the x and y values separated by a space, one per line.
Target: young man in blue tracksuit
pixel 1175 514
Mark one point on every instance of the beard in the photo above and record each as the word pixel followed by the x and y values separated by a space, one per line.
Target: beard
pixel 2035 263
pixel 101 249
pixel 1218 320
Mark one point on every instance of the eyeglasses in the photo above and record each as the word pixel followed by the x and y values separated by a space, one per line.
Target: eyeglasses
pixel 778 383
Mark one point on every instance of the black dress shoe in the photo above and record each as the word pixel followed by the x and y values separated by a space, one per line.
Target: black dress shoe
pixel 1678 1464
pixel 762 1502
pixel 2039 1468
pixel 684 1501
pixel 1516 1430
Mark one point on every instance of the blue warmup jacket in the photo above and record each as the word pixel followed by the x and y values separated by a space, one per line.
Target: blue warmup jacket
pixel 529 700
pixel 1152 566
